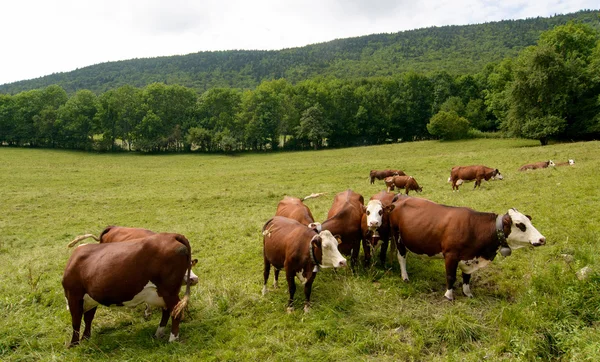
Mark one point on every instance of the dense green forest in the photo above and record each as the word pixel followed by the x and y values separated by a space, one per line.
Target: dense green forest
pixel 455 49
pixel 549 90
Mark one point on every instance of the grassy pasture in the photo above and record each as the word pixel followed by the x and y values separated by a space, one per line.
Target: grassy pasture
pixel 529 306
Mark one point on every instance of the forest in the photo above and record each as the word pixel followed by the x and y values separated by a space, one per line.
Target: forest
pixel 348 92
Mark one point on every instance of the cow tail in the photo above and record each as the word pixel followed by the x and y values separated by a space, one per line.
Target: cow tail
pixel 81 237
pixel 178 310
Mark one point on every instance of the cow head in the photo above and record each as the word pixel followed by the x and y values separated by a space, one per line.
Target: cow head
pixel 496 175
pixel 316 226
pixel 551 163
pixel 330 256
pixel 193 277
pixel 571 162
pixel 522 232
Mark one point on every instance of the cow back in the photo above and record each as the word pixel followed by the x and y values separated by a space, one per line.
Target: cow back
pixel 294 208
pixel 113 234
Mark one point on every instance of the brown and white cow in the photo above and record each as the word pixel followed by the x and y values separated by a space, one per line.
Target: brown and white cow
pixel 290 245
pixel 536 165
pixel 465 238
pixel 568 163
pixel 294 208
pixel 459 174
pixel 402 182
pixel 344 219
pixel 148 270
pixel 382 174
pixel 375 224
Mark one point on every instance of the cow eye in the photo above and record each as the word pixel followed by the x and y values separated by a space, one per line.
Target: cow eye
pixel 380 212
pixel 521 226
pixel 368 212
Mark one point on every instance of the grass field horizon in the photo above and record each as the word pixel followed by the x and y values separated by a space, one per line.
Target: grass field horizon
pixel 529 306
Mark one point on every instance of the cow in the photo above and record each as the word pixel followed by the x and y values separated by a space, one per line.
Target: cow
pixel 290 245
pixel 465 238
pixel 382 174
pixel 402 182
pixel 568 163
pixel 535 166
pixel 375 224
pixel 344 219
pixel 112 234
pixel 294 208
pixel 459 174
pixel 150 270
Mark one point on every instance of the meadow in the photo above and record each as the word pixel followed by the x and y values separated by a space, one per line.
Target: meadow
pixel 529 306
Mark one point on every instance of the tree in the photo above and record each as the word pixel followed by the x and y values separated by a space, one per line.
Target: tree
pixel 313 126
pixel 78 118
pixel 448 126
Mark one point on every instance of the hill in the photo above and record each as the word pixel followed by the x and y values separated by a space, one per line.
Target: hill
pixel 455 49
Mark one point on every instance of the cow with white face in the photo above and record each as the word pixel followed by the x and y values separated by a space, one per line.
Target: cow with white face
pixel 300 251
pixel 375 224
pixel 465 238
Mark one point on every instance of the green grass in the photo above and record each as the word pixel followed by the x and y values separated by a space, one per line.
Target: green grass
pixel 529 306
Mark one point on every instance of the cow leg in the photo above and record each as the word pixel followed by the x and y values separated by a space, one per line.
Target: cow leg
pixel 76 309
pixel 171 302
pixel 307 291
pixel 266 272
pixel 401 251
pixel 160 331
pixel 291 288
pixel 451 266
pixel 465 287
pixel 383 251
pixel 88 317
pixel 276 281
pixel 354 254
pixel 367 248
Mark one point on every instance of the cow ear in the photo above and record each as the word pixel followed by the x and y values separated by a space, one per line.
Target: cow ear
pixel 389 208
pixel 194 262
pixel 529 217
pixel 338 238
pixel 316 241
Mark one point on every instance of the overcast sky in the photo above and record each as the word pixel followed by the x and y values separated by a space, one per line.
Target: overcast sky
pixel 41 37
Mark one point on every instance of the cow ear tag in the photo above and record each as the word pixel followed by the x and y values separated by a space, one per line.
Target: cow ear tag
pixel 504 251
pixel 338 238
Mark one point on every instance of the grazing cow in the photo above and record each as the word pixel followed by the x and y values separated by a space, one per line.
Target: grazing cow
pixel 382 174
pixel 294 208
pixel 149 270
pixel 290 245
pixel 534 166
pixel 375 224
pixel 568 163
pixel 344 219
pixel 465 238
pixel 459 174
pixel 402 182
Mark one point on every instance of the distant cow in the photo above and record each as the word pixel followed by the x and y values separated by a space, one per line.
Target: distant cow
pixel 465 238
pixel 382 174
pixel 375 223
pixel 568 163
pixel 290 245
pixel 294 208
pixel 534 166
pixel 148 270
pixel 402 182
pixel 459 174
pixel 344 219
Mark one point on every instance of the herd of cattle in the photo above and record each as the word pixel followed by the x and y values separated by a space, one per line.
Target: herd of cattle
pixel 130 266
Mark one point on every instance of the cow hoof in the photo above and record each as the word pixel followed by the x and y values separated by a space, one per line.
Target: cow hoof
pixel 160 332
pixel 173 338
pixel 264 290
pixel 290 310
pixel 306 309
pixel 449 295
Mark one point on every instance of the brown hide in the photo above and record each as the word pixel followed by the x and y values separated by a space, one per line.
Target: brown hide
pixel 294 208
pixel 113 234
pixel 534 166
pixel 113 273
pixel 382 174
pixel 286 244
pixel 386 199
pixel 457 233
pixel 402 182
pixel 344 219
pixel 469 173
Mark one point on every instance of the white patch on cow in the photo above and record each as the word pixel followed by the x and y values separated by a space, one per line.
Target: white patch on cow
pixel 193 278
pixel 402 262
pixel 438 256
pixel 159 332
pixel 571 162
pixel 374 214
pixel 148 295
pixel 301 277
pixel 315 226
pixel 67 303
pixel 518 238
pixel 449 294
pixel 173 338
pixel 551 163
pixel 469 266
pixel 264 289
pixel 467 290
pixel 275 284
pixel 89 303
pixel 331 256
pixel 459 182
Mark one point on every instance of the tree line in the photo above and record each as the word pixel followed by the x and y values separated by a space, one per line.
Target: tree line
pixel 548 91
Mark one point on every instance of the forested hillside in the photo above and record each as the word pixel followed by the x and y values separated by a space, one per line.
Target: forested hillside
pixel 454 49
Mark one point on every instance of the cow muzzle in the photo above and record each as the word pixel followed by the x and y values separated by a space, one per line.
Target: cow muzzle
pixel 540 242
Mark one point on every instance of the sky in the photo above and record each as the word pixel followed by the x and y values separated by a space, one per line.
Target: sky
pixel 41 37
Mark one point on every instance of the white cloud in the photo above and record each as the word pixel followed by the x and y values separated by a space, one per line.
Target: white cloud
pixel 41 37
